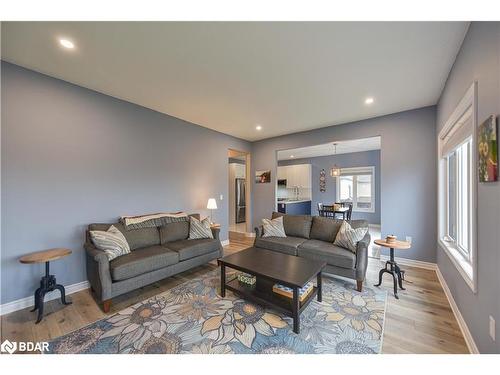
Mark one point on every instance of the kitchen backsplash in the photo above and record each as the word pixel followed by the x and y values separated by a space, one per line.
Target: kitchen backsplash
pixel 283 192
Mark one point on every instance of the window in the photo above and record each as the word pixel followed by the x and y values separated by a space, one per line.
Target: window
pixel 457 191
pixel 357 186
pixel 459 198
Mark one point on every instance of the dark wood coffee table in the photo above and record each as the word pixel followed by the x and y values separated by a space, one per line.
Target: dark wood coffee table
pixel 269 268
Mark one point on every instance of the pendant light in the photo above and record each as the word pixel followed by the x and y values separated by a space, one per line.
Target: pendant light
pixel 335 171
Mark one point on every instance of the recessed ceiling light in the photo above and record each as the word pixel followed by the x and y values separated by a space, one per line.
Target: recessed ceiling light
pixel 66 43
pixel 258 127
pixel 292 156
pixel 368 100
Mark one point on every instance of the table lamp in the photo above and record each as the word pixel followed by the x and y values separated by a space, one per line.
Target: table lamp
pixel 211 205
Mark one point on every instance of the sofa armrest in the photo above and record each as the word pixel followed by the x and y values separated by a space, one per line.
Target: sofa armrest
pixel 95 253
pixel 98 272
pixel 216 232
pixel 362 257
pixel 259 231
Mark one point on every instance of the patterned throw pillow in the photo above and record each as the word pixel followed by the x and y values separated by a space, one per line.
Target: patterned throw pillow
pixel 112 242
pixel 348 237
pixel 199 229
pixel 273 228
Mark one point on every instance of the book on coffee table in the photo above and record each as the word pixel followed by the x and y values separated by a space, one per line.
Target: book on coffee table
pixel 288 292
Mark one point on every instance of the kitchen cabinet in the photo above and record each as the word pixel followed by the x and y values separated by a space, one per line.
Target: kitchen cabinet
pixel 281 175
pixel 299 175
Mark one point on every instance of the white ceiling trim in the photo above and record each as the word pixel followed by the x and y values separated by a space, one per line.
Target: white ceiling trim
pixel 326 149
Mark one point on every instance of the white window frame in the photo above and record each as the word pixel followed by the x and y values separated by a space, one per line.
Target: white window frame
pixel 466 267
pixel 348 172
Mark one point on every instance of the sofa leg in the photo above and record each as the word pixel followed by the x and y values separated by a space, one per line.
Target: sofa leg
pixel 359 285
pixel 106 305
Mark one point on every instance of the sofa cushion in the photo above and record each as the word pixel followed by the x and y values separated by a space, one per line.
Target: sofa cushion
pixel 188 249
pixel 136 238
pixel 273 228
pixel 199 229
pixel 348 237
pixel 358 223
pixel 144 237
pixel 174 232
pixel 296 225
pixel 327 252
pixel 324 228
pixel 141 261
pixel 285 245
pixel 112 242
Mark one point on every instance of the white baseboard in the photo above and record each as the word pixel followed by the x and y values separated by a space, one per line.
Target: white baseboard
pixel 469 340
pixel 411 262
pixel 23 303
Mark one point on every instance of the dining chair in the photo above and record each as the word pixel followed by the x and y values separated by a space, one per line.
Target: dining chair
pixel 349 212
pixel 320 209
pixel 328 211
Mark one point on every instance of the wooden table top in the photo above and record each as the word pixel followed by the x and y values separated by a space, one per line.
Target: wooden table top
pixel 340 209
pixel 401 245
pixel 45 255
pixel 286 268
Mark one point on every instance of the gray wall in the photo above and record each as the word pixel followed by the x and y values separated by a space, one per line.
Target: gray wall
pixel 478 60
pixel 71 156
pixel 407 166
pixel 355 159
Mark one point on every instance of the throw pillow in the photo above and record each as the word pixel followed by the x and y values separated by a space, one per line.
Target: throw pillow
pixel 348 237
pixel 112 242
pixel 273 228
pixel 199 229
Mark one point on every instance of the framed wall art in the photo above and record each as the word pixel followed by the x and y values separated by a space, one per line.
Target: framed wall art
pixel 487 146
pixel 262 177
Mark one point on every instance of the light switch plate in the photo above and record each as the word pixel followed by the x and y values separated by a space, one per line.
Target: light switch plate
pixel 221 197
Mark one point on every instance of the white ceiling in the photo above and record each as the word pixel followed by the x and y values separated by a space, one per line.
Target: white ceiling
pixel 231 76
pixel 344 147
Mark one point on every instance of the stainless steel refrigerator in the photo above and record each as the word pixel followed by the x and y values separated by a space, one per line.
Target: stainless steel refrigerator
pixel 240 200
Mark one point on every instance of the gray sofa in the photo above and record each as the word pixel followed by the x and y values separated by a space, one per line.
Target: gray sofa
pixel 312 237
pixel 156 253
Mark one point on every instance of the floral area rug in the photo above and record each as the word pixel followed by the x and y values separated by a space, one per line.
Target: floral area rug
pixel 193 318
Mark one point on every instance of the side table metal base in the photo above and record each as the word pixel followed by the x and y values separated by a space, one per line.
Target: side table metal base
pixel 47 284
pixel 395 272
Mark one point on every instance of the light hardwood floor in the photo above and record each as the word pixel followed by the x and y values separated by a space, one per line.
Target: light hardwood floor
pixel 421 321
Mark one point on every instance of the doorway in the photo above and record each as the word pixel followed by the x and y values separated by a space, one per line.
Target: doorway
pixel 239 194
pixel 340 173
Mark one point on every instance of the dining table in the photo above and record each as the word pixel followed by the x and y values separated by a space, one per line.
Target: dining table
pixel 327 212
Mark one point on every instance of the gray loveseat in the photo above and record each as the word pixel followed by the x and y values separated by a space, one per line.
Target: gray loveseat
pixel 312 237
pixel 156 253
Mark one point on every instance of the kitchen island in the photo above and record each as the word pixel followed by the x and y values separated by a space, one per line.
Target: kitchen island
pixel 295 206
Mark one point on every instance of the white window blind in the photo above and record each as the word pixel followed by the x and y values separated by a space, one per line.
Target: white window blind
pixel 457 134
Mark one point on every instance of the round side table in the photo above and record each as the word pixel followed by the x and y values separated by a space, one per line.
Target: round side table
pixel 394 269
pixel 48 282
